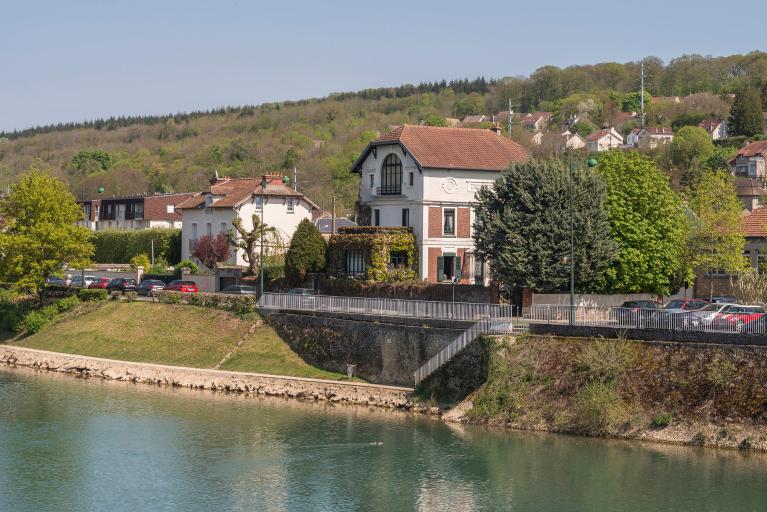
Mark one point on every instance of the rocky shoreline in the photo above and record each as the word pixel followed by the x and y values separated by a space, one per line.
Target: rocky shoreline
pixel 353 393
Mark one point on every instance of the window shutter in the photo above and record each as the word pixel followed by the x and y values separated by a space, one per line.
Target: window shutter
pixel 458 266
pixel 440 268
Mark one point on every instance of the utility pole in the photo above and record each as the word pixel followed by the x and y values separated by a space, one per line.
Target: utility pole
pixel 572 248
pixel 295 179
pixel 511 117
pixel 641 93
pixel 333 218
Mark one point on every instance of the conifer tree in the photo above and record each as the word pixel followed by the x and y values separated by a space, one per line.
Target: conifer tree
pixel 306 253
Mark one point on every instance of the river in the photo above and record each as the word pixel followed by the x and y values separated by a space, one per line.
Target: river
pixel 94 445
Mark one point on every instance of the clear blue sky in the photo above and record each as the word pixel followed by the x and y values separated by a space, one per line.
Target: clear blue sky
pixel 76 60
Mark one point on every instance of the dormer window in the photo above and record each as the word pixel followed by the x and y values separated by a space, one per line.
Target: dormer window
pixel 290 205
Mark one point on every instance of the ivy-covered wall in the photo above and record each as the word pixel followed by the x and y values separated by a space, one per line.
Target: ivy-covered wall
pixel 376 243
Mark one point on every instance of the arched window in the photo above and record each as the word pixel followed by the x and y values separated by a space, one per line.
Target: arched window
pixel 391 176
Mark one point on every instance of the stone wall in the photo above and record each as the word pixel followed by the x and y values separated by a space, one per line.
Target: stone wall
pixel 195 378
pixel 385 350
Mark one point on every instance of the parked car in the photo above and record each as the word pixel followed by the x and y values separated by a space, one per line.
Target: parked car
pixel 54 281
pixel 704 318
pixel 676 313
pixel 302 291
pixel 724 299
pixel 79 282
pixel 734 317
pixel 121 284
pixel 149 286
pixel 100 282
pixel 240 289
pixel 182 286
pixel 634 312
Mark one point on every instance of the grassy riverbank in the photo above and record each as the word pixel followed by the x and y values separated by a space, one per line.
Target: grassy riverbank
pixel 695 394
pixel 174 335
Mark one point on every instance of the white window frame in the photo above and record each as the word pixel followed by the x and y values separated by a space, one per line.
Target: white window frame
pixel 291 205
pixel 209 228
pixel 194 231
pixel 455 221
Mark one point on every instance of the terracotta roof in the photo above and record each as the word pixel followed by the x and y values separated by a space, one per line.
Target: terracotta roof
pixel 622 117
pixel 156 207
pixel 452 148
pixel 598 134
pixel 755 223
pixel 231 192
pixel 758 148
pixel 709 124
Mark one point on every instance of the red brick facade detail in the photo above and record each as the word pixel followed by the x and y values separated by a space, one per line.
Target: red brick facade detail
pixel 464 223
pixel 435 223
pixel 434 253
pixel 527 298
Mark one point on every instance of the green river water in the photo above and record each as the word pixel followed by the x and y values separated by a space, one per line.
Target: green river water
pixel 91 445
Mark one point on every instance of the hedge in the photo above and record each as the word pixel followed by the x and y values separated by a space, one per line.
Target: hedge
pixel 235 303
pixel 119 246
pixel 92 294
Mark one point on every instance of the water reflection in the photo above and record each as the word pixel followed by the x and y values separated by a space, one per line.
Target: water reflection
pixel 97 445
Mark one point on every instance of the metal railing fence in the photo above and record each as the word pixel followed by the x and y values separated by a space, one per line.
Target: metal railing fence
pixel 468 311
pixel 487 326
pixel 634 318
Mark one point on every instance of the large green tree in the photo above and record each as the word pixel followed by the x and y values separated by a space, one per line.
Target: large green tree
pixel 39 234
pixel 716 238
pixel 632 102
pixel 746 114
pixel 306 253
pixel 523 227
pixel 647 220
pixel 690 150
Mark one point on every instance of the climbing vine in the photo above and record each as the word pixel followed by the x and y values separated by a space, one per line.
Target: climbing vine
pixel 376 243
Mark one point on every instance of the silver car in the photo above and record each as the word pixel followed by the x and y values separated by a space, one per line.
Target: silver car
pixel 77 281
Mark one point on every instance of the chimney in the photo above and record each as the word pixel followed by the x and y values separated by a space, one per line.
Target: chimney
pixel 496 128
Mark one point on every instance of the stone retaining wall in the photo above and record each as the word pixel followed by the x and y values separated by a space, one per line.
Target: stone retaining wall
pixel 196 378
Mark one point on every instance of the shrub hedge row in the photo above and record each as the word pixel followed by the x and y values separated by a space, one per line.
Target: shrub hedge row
pixel 239 304
pixel 119 246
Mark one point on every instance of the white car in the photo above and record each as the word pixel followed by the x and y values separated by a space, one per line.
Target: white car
pixel 704 317
pixel 77 281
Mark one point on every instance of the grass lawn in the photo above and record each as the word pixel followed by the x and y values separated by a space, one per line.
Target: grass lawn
pixel 173 335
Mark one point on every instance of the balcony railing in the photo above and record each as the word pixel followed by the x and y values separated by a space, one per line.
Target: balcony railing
pixel 389 190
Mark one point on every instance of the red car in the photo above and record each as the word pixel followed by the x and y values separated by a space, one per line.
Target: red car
pixel 100 282
pixel 735 316
pixel 182 286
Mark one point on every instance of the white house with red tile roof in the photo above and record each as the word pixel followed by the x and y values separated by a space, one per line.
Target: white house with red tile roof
pixel 755 231
pixel 535 121
pixel 426 178
pixel 133 212
pixel 751 161
pixel 211 212
pixel 717 128
pixel 632 138
pixel 603 140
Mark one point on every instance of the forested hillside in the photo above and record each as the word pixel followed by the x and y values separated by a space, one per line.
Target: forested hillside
pixel 322 137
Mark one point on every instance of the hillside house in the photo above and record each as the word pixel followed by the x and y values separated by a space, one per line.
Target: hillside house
pixel 651 138
pixel 571 141
pixel 632 138
pixel 476 119
pixel 750 160
pixel 211 212
pixel 535 121
pixel 133 212
pixel 603 140
pixel 425 178
pixel 717 128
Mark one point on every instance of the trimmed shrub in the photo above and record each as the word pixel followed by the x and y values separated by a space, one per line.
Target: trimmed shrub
pixel 192 266
pixel 67 304
pixel 119 246
pixel 35 321
pixel 238 304
pixel 92 294
pixel 306 253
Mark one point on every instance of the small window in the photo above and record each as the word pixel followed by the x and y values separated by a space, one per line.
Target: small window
pixel 448 226
pixel 194 231
pixel 406 217
pixel 376 217
pixel 223 228
pixel 410 178
pixel 290 205
pixel 259 202
pixel 398 259
pixel 372 180
pixel 355 262
pixel 138 211
pixel 208 228
pixel 170 208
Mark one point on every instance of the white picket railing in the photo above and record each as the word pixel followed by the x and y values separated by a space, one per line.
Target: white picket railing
pixel 634 318
pixel 468 311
